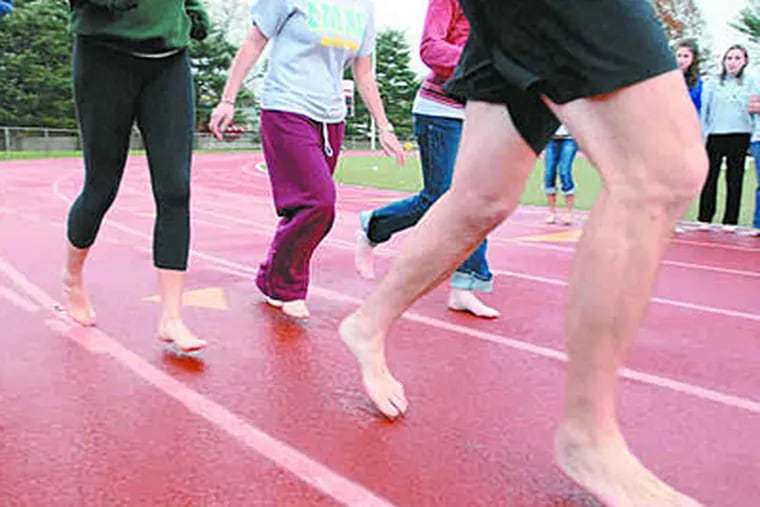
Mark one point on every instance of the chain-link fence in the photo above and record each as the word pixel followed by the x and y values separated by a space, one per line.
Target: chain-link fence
pixel 25 141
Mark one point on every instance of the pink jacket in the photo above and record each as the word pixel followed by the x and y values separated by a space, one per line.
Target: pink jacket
pixel 443 38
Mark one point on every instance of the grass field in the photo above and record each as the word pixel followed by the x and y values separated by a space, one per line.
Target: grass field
pixel 382 172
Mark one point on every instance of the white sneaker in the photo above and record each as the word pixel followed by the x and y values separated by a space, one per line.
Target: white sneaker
pixel 703 226
pixel 729 228
pixel 551 219
pixel 752 233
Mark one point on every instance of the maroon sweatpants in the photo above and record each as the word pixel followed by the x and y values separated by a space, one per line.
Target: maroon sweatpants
pixel 300 164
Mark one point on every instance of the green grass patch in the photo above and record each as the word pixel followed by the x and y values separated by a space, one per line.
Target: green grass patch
pixel 382 172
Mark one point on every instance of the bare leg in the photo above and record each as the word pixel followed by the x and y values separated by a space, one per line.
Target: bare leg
pixel 76 301
pixel 570 203
pixel 651 167
pixel 172 328
pixel 552 199
pixel 484 192
pixel 364 256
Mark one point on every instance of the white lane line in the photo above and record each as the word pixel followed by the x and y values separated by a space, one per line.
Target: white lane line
pixel 234 268
pixel 306 469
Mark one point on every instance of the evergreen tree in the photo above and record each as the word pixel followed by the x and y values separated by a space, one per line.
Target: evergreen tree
pixel 397 83
pixel 35 65
pixel 210 60
pixel 749 21
pixel 683 19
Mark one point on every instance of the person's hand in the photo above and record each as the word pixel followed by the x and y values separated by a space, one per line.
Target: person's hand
pixel 754 104
pixel 221 119
pixel 392 147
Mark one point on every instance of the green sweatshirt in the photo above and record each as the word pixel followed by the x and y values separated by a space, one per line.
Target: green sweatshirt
pixel 141 25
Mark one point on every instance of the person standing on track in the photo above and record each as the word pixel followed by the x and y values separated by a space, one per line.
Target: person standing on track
pixel 302 124
pixel 438 127
pixel 527 66
pixel 131 64
pixel 558 157
pixel 727 124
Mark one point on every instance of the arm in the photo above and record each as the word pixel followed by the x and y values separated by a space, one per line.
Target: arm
pixel 245 59
pixel 367 86
pixel 436 52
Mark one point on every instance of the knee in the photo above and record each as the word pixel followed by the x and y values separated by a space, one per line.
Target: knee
pixel 322 206
pixel 484 211
pixel 96 200
pixel 424 201
pixel 175 196
pixel 689 175
pixel 671 179
pixel 324 212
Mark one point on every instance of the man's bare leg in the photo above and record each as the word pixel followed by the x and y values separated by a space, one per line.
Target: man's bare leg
pixel 491 169
pixel 76 300
pixel 172 329
pixel 646 143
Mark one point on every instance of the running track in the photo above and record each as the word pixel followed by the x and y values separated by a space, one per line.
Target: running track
pixel 273 413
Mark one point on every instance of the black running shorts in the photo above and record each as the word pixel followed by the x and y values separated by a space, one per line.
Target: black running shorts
pixel 519 50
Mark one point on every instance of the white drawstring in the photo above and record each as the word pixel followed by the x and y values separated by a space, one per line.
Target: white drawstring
pixel 326 138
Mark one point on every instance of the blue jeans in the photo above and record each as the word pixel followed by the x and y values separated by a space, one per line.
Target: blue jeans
pixel 755 147
pixel 567 149
pixel 438 140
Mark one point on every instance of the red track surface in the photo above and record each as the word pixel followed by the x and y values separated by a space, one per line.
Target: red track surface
pixel 274 413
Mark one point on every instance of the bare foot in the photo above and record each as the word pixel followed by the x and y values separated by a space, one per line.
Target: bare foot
pixel 363 256
pixel 296 309
pixel 273 302
pixel 466 301
pixel 386 392
pixel 609 471
pixel 76 301
pixel 174 331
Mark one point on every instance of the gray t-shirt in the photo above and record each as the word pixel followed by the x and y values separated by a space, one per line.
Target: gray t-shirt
pixel 724 106
pixel 313 41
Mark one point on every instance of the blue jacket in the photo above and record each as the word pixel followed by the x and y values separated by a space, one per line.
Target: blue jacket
pixel 696 95
pixel 6 6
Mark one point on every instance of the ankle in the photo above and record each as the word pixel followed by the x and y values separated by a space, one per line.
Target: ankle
pixel 360 326
pixel 72 279
pixel 586 434
pixel 170 322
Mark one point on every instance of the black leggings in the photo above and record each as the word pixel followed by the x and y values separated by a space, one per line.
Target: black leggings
pixel 734 148
pixel 112 90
